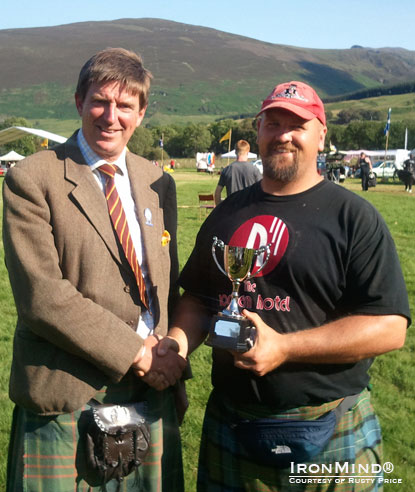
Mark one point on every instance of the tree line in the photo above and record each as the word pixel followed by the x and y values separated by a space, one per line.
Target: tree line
pixel 386 90
pixel 184 141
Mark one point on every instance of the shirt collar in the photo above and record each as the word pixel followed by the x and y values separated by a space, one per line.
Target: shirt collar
pixel 94 160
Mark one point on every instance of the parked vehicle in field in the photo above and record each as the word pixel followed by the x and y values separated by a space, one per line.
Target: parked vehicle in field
pixel 383 169
pixel 258 164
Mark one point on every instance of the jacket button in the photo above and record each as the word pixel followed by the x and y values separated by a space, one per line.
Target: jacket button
pixel 127 288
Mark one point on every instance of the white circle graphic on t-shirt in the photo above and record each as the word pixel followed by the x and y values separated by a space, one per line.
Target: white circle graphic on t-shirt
pixel 260 231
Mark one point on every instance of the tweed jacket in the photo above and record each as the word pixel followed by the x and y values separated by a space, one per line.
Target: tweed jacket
pixel 77 300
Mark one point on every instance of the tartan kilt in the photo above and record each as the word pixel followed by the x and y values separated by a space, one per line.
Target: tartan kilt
pixel 46 454
pixel 222 467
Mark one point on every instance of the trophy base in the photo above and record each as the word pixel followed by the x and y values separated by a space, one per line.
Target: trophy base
pixel 231 333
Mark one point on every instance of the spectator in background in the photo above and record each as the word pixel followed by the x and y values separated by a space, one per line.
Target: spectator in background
pixel 238 175
pixel 365 165
pixel 409 171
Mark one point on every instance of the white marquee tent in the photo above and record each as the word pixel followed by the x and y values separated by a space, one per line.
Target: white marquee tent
pixel 11 156
pixel 15 132
pixel 232 155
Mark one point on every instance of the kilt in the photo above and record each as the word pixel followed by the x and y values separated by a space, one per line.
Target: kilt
pixel 356 441
pixel 46 454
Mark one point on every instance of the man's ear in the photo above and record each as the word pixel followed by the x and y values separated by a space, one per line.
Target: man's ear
pixel 322 138
pixel 79 104
pixel 141 115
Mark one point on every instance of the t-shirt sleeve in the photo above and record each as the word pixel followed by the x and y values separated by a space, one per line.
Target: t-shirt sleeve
pixel 222 178
pixel 375 283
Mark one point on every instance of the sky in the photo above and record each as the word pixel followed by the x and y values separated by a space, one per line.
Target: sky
pixel 321 24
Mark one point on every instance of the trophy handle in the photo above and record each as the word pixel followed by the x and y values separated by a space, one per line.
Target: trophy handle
pixel 259 251
pixel 220 244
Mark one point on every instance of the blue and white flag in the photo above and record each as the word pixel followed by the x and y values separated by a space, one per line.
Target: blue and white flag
pixel 388 123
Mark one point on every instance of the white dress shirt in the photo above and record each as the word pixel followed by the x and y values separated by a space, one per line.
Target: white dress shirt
pixel 122 183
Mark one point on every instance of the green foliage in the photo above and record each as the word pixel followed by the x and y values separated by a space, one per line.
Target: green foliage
pixel 141 142
pixel 345 116
pixel 189 140
pixel 157 154
pixel 370 135
pixel 25 145
pixel 387 90
pixel 241 130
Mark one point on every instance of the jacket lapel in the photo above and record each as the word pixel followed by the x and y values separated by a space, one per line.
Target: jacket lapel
pixel 88 196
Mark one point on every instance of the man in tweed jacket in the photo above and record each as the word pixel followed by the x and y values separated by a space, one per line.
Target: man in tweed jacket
pixel 82 330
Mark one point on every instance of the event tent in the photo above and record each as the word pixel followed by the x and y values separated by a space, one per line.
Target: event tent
pixel 11 156
pixel 232 155
pixel 15 132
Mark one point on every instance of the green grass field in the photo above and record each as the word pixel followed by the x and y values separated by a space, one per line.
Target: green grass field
pixel 393 375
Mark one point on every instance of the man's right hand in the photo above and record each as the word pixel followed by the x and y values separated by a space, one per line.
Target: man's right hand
pixel 159 371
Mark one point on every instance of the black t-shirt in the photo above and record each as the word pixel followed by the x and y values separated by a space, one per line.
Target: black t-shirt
pixel 364 165
pixel 331 255
pixel 409 165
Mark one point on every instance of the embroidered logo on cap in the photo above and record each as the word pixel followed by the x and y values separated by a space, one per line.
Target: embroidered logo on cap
pixel 290 93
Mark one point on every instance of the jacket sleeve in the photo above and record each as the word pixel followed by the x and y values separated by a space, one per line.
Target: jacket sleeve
pixel 48 305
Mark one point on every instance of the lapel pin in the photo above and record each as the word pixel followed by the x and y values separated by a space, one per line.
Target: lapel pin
pixel 148 216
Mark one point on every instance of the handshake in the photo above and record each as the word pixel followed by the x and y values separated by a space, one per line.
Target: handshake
pixel 159 363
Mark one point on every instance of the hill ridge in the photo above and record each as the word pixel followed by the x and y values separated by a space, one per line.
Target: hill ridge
pixel 197 70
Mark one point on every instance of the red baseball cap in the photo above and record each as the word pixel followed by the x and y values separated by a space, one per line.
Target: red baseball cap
pixel 297 97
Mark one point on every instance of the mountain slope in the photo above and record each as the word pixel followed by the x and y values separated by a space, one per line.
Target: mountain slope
pixel 196 70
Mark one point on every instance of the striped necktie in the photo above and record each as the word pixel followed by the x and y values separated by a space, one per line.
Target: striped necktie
pixel 119 221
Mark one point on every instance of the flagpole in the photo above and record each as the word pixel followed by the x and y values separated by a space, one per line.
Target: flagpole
pixel 229 144
pixel 387 128
pixel 162 151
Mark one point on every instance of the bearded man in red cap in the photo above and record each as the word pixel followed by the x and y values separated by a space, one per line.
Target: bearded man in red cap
pixel 293 409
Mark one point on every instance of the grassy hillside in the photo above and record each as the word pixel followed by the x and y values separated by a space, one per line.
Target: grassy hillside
pixel 403 106
pixel 197 71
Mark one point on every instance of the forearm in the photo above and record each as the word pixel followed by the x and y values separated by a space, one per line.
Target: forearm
pixel 346 340
pixel 218 195
pixel 190 324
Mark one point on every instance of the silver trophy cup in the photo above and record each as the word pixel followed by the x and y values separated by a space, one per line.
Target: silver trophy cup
pixel 229 329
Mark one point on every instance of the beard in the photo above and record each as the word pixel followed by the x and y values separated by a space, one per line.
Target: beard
pixel 276 169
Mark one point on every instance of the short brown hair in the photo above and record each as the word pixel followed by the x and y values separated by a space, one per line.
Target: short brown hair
pixel 116 65
pixel 242 147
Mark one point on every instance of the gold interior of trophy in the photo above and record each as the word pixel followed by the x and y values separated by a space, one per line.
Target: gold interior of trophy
pixel 238 262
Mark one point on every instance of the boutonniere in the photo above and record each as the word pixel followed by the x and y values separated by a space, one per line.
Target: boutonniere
pixel 165 238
